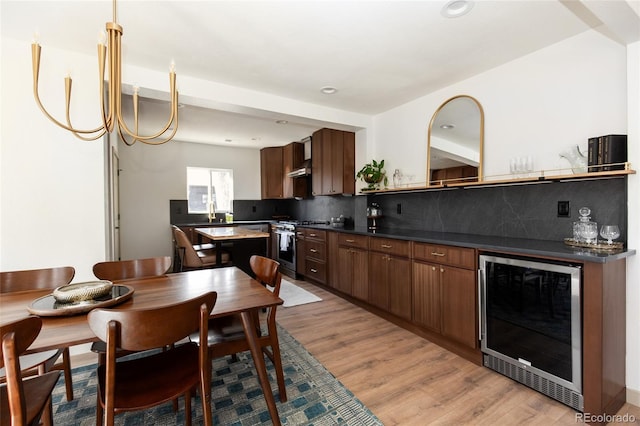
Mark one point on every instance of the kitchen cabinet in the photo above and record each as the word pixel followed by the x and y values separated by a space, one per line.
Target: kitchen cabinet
pixel 315 255
pixel 332 162
pixel 352 266
pixel 445 292
pixel 275 163
pixel 390 275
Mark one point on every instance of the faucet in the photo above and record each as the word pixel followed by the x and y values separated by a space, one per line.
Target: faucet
pixel 212 212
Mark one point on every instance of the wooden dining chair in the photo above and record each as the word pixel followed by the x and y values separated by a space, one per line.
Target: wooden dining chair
pixel 135 268
pixel 152 379
pixel 23 402
pixel 226 334
pixel 124 269
pixel 194 257
pixel 42 279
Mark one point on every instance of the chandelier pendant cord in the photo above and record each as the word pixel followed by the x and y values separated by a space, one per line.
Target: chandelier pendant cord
pixel 111 117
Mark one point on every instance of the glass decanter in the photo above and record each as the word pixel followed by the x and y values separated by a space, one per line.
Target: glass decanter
pixel 585 230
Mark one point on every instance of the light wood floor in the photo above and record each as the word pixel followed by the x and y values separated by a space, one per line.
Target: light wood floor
pixel 406 380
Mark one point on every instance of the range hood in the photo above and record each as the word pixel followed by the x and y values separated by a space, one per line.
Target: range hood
pixel 303 169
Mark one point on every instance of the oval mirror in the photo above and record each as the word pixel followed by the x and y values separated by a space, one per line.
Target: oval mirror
pixel 455 142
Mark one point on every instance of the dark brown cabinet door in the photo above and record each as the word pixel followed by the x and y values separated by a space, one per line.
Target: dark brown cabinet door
pixel 360 271
pixel 275 163
pixel 378 291
pixel 333 162
pixel 459 305
pixel 399 283
pixel 271 172
pixel 426 296
pixel 344 281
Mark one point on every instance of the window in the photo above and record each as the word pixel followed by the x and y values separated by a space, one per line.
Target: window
pixel 205 186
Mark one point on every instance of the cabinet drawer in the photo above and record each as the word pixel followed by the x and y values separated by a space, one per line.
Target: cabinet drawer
pixel 390 246
pixel 315 234
pixel 447 255
pixel 315 249
pixel 349 240
pixel 316 270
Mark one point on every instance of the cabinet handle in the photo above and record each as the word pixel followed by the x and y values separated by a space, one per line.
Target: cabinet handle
pixel 312 235
pixel 313 250
pixel 433 268
pixel 435 253
pixel 441 269
pixel 314 270
pixel 385 246
pixel 350 241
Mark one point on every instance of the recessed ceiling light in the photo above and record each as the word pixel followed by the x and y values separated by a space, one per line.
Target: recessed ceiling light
pixel 456 8
pixel 328 90
pixel 282 121
pixel 447 126
pixel 228 140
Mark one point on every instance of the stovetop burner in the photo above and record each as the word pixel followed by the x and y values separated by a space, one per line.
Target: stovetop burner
pixel 303 222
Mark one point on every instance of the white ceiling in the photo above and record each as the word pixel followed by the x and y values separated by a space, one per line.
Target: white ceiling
pixel 378 54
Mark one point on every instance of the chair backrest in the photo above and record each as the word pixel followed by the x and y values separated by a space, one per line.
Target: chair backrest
pixel 136 268
pixel 190 257
pixel 17 336
pixel 266 271
pixel 35 279
pixel 142 329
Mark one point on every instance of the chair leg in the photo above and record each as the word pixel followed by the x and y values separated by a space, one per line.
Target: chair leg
pixel 99 409
pixel 187 408
pixel 47 415
pixel 277 363
pixel 66 362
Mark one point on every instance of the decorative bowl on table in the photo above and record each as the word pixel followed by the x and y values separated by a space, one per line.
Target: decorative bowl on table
pixel 82 291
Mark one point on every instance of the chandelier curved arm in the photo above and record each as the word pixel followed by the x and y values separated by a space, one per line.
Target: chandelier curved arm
pixel 35 57
pixel 173 117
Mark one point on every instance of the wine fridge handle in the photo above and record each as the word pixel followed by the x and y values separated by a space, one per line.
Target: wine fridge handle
pixel 480 303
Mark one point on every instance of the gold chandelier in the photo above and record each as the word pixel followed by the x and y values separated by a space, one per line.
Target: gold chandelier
pixel 111 113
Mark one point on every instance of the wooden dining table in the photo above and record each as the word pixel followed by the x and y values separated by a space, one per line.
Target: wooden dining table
pixel 237 293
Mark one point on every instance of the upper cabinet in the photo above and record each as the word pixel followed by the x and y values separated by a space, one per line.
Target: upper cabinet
pixel 275 163
pixel 333 162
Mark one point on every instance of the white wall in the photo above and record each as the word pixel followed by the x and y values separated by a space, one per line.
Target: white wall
pixel 540 105
pixel 51 184
pixel 537 105
pixel 152 175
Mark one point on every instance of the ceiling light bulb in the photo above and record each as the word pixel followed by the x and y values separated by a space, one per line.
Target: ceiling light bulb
pixel 456 8
pixel 447 126
pixel 328 90
pixel 281 121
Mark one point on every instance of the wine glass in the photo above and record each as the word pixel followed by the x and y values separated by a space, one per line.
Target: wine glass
pixel 610 233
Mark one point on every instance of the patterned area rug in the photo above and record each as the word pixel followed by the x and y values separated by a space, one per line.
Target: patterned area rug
pixel 315 396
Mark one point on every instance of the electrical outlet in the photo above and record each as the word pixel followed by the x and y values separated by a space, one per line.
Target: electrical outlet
pixel 399 208
pixel 253 209
pixel 564 210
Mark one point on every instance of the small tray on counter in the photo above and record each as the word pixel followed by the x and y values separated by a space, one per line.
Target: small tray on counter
pixel 599 246
pixel 48 306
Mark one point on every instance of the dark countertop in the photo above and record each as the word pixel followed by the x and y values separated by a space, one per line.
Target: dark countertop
pixel 557 249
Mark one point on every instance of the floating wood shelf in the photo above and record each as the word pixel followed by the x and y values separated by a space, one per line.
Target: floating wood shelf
pixel 533 178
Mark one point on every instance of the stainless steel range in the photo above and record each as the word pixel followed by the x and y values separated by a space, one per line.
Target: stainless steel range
pixel 284 248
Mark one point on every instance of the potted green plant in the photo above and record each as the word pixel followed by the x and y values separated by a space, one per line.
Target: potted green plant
pixel 373 173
